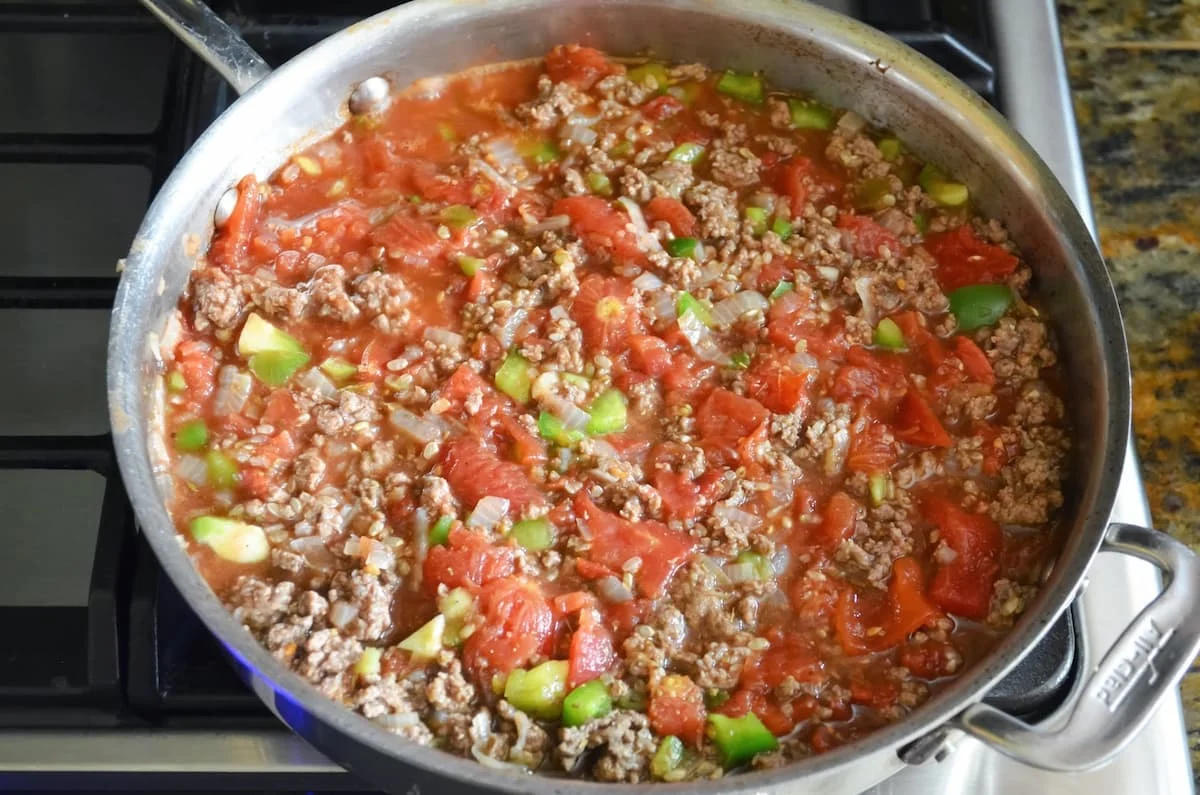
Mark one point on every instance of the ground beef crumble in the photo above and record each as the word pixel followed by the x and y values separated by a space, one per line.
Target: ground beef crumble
pixel 460 321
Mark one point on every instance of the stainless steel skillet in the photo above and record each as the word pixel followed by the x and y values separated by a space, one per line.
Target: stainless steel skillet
pixel 799 46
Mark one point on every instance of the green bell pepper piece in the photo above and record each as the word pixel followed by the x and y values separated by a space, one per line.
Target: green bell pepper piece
pixel 738 740
pixel 667 758
pixel 586 703
pixel 682 247
pixel 888 335
pixel 980 305
pixel 782 227
pixel 192 436
pixel 687 152
pixel 339 370
pixel 686 302
pixel 657 71
pixel 941 189
pixel 469 265
pixel 890 148
pixel 739 360
pixel 534 534
pixel 781 289
pixel 539 692
pixel 458 216
pixel 808 114
pixel 515 377
pixel 274 368
pixel 609 413
pixel 551 428
pixel 599 183
pixel 439 534
pixel 757 216
pixel 762 566
pixel 222 470
pixel 746 87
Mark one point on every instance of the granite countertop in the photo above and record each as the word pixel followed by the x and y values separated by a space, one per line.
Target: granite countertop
pixel 1135 72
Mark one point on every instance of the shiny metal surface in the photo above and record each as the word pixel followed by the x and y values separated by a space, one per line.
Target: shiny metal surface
pixel 1122 692
pixel 798 45
pixel 214 41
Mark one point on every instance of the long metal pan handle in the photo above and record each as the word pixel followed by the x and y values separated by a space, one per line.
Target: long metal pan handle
pixel 213 40
pixel 1120 695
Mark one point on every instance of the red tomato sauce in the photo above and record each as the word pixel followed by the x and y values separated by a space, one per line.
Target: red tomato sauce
pixel 645 372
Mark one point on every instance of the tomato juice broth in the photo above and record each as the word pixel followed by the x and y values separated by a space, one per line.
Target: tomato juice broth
pixel 817 487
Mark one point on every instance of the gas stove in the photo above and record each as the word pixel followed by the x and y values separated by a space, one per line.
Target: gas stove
pixel 107 681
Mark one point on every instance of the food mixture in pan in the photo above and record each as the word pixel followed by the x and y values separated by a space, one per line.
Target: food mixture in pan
pixel 624 421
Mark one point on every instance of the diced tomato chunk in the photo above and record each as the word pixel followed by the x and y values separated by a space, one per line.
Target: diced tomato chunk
pixel 929 659
pixel 580 66
pixel 867 236
pixel 680 495
pixel 615 541
pixel 605 313
pixel 837 524
pixel 527 448
pixel 725 419
pixel 281 410
pixel 404 236
pixel 792 320
pixel 917 424
pixel 517 624
pixel 964 585
pixel 466 559
pixel 800 176
pixel 198 367
pixel 649 354
pixel 778 386
pixel 964 259
pixel 872 449
pixel 974 360
pixel 661 107
pixel 474 472
pixel 602 227
pixel 256 482
pixel 592 652
pixel 905 610
pixel 673 213
pixel 677 708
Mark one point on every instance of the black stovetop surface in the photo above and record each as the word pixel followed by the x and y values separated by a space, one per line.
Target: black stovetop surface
pixel 97 104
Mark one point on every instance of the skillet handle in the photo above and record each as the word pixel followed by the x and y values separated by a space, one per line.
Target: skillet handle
pixel 195 24
pixel 1145 663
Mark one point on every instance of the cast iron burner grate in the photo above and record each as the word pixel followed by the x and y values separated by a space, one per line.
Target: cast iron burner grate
pixel 98 105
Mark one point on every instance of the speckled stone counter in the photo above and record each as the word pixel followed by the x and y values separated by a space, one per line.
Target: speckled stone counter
pixel 1135 72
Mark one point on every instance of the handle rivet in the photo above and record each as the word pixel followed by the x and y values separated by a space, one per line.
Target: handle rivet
pixel 370 96
pixel 225 205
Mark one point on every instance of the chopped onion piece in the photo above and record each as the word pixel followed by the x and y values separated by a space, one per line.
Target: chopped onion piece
pixel 233 389
pixel 573 418
pixel 315 553
pixel 701 339
pixel 421 430
pixel 803 361
pixel 835 456
pixel 397 720
pixel 441 336
pixel 850 124
pixel 780 561
pixel 488 512
pixel 602 449
pixel 613 591
pixel 736 516
pixel 549 224
pixel 740 572
pixel 648 281
pixel 342 613
pixel 507 333
pixel 317 383
pixel 714 569
pixel 635 214
pixel 380 557
pixel 504 153
pixel 192 469
pixel 664 305
pixel 862 286
pixel 828 273
pixel 579 132
pixel 727 311
pixel 710 273
pixel 495 764
pixel 498 179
